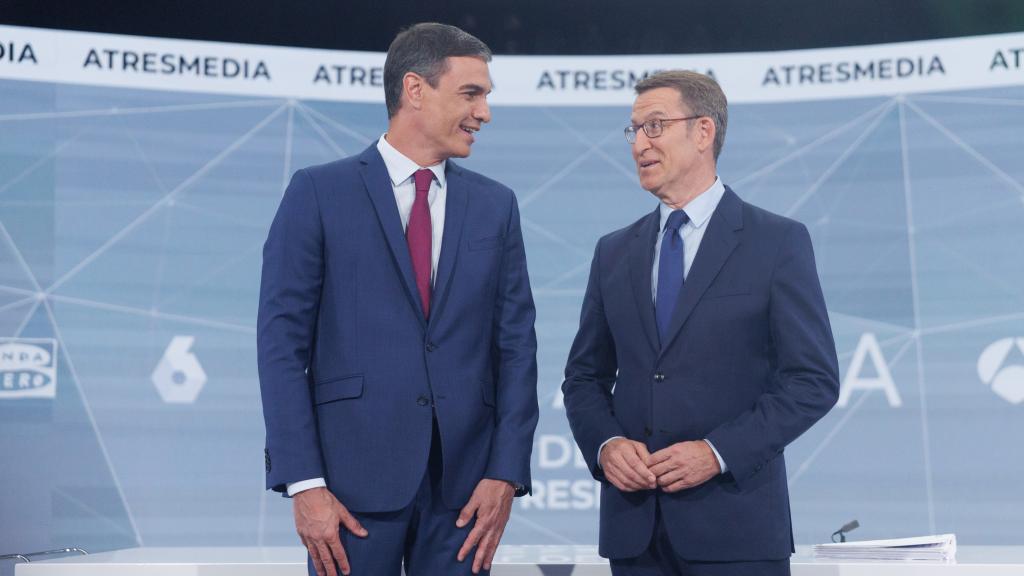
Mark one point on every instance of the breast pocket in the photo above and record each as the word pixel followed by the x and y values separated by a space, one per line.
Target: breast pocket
pixel 727 290
pixel 487 243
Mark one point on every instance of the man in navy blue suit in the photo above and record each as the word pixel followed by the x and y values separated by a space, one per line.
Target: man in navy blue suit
pixel 704 348
pixel 397 353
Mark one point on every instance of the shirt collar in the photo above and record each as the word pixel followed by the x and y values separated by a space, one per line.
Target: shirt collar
pixel 401 167
pixel 700 208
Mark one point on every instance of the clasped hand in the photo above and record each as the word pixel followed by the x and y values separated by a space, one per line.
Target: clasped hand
pixel 630 467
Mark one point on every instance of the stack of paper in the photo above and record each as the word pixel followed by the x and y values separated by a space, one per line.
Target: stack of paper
pixel 940 548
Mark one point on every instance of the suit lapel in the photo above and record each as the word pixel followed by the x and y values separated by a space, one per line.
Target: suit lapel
pixel 382 194
pixel 719 241
pixel 641 261
pixel 454 217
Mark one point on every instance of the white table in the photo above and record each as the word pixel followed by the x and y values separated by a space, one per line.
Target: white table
pixel 510 561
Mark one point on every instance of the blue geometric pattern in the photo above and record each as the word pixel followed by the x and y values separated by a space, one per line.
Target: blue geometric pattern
pixel 130 217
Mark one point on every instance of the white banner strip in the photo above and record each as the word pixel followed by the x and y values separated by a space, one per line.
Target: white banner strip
pixel 270 71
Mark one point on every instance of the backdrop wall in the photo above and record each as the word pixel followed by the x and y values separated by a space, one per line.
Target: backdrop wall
pixel 138 178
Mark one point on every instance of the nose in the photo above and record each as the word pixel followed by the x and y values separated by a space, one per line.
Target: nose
pixel 483 111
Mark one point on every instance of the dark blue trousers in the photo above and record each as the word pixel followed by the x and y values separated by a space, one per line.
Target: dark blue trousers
pixel 422 537
pixel 661 560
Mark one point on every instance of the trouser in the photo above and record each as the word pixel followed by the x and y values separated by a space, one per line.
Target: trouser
pixel 422 537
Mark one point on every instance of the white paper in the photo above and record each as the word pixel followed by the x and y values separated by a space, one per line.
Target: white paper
pixel 938 548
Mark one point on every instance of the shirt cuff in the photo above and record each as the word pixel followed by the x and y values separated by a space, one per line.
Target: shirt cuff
pixel 296 487
pixel 721 463
pixel 517 486
pixel 601 447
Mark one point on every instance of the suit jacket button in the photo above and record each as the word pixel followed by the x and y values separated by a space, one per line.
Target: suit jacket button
pixel 422 401
pixel 647 431
pixel 431 346
pixel 659 377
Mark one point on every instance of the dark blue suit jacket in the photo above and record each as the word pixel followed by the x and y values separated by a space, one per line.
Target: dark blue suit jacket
pixel 750 365
pixel 350 370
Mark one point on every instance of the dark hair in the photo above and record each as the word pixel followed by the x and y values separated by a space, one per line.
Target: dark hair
pixel 424 49
pixel 699 92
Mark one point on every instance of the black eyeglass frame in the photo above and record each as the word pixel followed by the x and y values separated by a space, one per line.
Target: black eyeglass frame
pixel 656 125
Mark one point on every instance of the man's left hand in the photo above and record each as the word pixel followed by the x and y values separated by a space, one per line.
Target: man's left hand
pixel 491 503
pixel 684 465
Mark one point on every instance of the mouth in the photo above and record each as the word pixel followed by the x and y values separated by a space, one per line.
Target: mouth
pixel 647 163
pixel 470 129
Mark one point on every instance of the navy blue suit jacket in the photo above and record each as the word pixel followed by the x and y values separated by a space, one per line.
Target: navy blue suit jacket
pixel 750 364
pixel 352 372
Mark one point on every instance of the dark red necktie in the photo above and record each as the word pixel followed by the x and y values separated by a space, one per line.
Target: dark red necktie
pixel 418 236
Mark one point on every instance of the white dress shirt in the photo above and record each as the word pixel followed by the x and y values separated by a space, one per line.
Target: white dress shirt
pixel 699 211
pixel 400 171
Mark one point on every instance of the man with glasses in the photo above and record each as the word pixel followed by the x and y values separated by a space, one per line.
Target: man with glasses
pixel 704 348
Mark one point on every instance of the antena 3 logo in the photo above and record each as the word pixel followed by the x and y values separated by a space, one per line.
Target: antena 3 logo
pixel 28 368
pixel 1005 377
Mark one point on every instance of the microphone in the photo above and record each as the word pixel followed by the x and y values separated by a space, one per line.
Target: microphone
pixel 848 527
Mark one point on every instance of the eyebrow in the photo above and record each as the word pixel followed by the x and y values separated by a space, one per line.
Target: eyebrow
pixel 474 88
pixel 650 116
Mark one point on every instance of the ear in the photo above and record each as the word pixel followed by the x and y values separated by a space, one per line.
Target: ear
pixel 412 89
pixel 705 133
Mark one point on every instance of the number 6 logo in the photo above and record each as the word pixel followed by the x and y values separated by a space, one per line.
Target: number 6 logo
pixel 179 376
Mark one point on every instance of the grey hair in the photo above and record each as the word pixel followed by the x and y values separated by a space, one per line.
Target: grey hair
pixel 700 92
pixel 424 49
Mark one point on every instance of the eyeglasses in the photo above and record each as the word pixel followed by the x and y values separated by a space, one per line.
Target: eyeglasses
pixel 653 127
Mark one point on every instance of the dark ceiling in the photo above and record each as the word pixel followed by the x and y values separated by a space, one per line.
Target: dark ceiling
pixel 537 26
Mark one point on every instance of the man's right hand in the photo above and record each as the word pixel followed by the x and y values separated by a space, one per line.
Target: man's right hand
pixel 318 515
pixel 624 464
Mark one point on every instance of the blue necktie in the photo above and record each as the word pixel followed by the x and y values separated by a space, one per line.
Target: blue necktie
pixel 670 271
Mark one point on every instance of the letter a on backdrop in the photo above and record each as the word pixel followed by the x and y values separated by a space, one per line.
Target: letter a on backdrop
pixel 882 380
